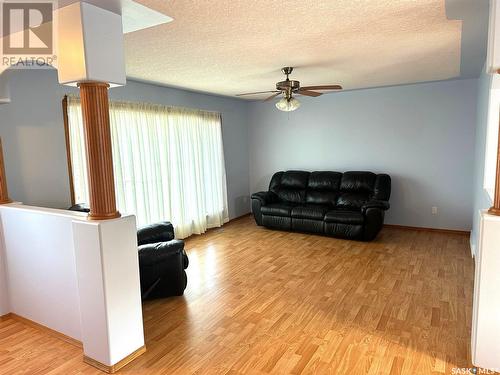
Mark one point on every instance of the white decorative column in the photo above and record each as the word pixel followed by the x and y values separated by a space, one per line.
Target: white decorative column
pixel 91 57
pixel 90 45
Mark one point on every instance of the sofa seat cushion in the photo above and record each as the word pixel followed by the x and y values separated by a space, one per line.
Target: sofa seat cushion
pixel 344 217
pixel 310 211
pixel 277 209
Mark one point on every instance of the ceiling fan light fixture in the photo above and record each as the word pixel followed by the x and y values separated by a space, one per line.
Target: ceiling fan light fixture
pixel 288 105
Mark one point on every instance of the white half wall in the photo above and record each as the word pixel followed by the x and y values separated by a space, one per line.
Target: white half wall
pixel 4 288
pixel 421 135
pixel 485 338
pixel 109 288
pixel 40 267
pixel 74 276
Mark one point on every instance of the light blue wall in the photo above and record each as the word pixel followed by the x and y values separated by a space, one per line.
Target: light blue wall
pixel 481 198
pixel 422 135
pixel 32 131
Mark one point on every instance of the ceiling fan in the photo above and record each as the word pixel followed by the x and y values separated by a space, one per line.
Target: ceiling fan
pixel 289 88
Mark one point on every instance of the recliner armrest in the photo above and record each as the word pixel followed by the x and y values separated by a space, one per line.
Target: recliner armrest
pixel 383 205
pixel 162 269
pixel 155 253
pixel 265 197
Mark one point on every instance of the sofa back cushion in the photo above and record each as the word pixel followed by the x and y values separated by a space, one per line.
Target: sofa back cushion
pixel 323 187
pixel 349 190
pixel 358 182
pixel 290 186
pixel 355 189
pixel 324 181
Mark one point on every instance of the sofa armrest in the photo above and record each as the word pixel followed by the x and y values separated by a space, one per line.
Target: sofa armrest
pixel 154 233
pixel 260 199
pixel 265 197
pixel 383 205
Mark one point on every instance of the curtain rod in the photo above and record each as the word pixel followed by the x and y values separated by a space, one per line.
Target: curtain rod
pixel 131 103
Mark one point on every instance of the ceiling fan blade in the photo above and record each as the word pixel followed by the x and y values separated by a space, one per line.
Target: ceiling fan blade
pixel 325 87
pixel 272 96
pixel 256 93
pixel 309 93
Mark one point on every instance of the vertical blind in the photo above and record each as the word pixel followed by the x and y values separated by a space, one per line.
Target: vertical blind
pixel 168 164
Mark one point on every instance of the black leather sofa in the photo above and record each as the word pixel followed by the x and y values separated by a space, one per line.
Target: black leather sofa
pixel 162 259
pixel 348 205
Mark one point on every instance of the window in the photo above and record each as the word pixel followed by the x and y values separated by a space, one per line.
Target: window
pixel 168 164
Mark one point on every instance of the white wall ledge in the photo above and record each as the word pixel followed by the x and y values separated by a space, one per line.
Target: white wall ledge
pixel 46 211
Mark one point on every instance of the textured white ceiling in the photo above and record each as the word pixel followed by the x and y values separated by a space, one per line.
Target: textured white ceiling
pixel 233 46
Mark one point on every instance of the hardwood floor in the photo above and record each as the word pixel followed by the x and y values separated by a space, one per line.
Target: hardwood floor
pixel 261 301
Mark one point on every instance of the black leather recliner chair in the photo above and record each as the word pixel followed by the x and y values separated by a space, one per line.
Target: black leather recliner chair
pixel 347 205
pixel 162 259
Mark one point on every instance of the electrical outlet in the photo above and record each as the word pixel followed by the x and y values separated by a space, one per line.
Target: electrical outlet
pixel 434 210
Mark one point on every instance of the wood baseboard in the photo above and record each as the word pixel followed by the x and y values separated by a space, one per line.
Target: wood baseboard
pixel 423 229
pixel 5 317
pixel 109 369
pixel 117 366
pixel 395 226
pixel 239 217
pixel 50 331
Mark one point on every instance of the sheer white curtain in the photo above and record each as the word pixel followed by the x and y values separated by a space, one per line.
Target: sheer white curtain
pixel 168 164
